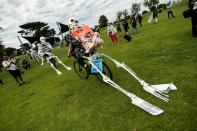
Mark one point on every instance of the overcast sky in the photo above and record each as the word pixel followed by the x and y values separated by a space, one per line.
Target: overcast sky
pixel 17 12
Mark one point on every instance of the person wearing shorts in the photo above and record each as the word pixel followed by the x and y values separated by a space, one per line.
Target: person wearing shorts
pixel 12 67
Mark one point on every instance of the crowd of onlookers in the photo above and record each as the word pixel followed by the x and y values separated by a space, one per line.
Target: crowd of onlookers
pixel 114 30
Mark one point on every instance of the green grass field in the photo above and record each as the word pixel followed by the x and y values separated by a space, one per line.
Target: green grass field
pixel 161 53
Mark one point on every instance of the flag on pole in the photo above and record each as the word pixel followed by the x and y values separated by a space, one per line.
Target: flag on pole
pixel 31 39
pixel 63 28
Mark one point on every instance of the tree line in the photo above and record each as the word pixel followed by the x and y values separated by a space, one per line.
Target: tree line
pixel 124 14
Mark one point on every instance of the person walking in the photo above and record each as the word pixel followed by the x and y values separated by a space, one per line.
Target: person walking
pixel 10 64
pixel 111 30
pixel 169 10
pixel 193 6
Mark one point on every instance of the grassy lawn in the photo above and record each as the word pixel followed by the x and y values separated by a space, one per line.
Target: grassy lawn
pixel 161 53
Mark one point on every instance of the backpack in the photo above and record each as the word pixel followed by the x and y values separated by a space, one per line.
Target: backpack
pixel 187 13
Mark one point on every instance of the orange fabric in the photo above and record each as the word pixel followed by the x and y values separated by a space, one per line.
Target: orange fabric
pixel 77 33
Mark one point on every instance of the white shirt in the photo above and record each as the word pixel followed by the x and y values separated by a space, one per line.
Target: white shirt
pixel 111 29
pixel 12 66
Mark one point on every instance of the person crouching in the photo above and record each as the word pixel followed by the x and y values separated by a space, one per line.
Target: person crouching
pixel 10 64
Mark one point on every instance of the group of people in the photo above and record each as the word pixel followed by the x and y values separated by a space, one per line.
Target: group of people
pixel 112 30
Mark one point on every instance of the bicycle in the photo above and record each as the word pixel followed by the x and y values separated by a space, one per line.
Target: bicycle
pixel 83 69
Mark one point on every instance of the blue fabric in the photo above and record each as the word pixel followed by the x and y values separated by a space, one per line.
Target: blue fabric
pixel 99 64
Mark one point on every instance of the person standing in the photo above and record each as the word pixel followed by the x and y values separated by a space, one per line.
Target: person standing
pixel 126 26
pixel 155 12
pixel 111 30
pixel 193 6
pixel 134 22
pixel 169 10
pixel 139 17
pixel 10 64
pixel 118 27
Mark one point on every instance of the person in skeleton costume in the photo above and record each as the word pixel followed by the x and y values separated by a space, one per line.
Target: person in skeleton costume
pixel 44 49
pixel 82 38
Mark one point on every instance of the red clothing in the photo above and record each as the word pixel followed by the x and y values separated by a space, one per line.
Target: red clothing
pixel 114 38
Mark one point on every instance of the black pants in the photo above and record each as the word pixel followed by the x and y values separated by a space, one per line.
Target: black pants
pixel 15 73
pixel 194 23
pixel 140 22
pixel 154 15
pixel 119 29
pixel 170 12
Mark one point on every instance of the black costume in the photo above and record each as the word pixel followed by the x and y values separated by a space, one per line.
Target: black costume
pixel 193 17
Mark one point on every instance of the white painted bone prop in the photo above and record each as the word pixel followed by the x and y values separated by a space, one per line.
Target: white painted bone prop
pixel 148 107
pixel 157 90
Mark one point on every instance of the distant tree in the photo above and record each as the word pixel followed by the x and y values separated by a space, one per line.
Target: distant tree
pixel 160 6
pixel 125 13
pixel 135 7
pixel 150 3
pixel 2 51
pixel 119 15
pixel 144 12
pixel 10 51
pixel 37 29
pixel 103 21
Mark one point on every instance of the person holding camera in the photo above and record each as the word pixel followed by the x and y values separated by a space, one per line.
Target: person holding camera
pixel 193 6
pixel 10 64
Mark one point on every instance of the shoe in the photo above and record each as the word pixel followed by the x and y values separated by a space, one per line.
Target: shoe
pixel 1 82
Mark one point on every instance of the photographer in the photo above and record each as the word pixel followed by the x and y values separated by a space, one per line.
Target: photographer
pixel 12 67
pixel 193 6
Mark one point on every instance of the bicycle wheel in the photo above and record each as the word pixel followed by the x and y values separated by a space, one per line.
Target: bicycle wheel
pixel 106 71
pixel 81 71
